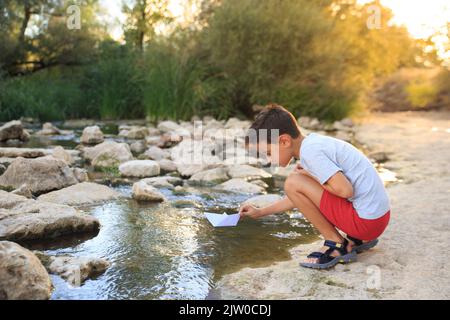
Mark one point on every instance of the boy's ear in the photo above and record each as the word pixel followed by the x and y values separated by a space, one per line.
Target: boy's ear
pixel 285 140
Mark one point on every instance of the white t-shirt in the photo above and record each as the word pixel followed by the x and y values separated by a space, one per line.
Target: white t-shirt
pixel 323 156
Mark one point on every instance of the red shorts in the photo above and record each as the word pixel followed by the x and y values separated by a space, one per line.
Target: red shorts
pixel 340 213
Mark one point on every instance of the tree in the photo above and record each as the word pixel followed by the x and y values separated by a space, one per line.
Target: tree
pixel 143 17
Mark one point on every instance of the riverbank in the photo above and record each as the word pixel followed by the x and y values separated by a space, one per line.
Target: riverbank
pixel 411 260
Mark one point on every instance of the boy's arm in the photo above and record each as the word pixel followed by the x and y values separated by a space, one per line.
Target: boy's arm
pixel 279 206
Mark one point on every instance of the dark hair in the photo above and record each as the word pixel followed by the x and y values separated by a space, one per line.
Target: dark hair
pixel 273 117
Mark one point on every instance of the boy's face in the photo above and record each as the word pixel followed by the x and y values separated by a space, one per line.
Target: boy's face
pixel 280 153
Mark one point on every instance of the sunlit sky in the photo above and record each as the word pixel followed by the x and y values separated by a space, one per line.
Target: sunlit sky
pixel 423 18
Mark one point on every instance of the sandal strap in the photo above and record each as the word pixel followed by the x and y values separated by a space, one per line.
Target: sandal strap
pixel 315 255
pixel 341 247
pixel 321 257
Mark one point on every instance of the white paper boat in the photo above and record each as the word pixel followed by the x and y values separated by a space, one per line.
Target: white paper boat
pixel 223 220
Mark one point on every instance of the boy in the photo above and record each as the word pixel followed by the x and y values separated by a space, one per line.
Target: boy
pixel 335 187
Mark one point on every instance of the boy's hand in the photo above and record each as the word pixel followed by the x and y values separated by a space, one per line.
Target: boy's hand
pixel 247 210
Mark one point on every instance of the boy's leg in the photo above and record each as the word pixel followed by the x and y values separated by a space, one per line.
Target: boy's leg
pixel 306 193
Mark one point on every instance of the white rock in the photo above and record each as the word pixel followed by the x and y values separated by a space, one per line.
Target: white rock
pixel 25 219
pixel 13 130
pixel 167 165
pixel 81 194
pixel 41 174
pixel 241 186
pixel 75 270
pixel 60 153
pixel 156 153
pixel 108 154
pixel 22 275
pixel 247 172
pixel 163 182
pixel 139 168
pixel 211 176
pixel 145 192
pixel 92 135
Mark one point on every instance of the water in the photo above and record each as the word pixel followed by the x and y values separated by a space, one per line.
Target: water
pixel 159 251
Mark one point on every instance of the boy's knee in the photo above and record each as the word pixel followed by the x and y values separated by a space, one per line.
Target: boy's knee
pixel 292 183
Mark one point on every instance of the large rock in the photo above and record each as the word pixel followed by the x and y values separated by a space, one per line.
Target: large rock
pixel 81 194
pixel 248 172
pixel 241 186
pixel 22 275
pixel 139 168
pixel 156 153
pixel 62 154
pixel 92 135
pixel 211 176
pixel 167 165
pixel 143 191
pixel 75 270
pixel 172 127
pixel 41 174
pixel 108 154
pixel 13 130
pixel 33 152
pixel 25 219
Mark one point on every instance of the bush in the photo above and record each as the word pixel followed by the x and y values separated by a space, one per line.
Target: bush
pixel 178 85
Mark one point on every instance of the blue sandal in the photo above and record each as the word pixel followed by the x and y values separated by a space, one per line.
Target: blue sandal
pixel 361 246
pixel 326 260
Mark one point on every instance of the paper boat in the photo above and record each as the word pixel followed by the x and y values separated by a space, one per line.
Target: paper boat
pixel 223 220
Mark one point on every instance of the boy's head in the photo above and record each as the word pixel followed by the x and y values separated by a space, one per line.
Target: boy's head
pixel 274 132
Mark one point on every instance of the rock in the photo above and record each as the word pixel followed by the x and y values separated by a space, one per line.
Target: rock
pixel 343 135
pixel 75 270
pixel 60 153
pixel 241 186
pixel 134 132
pixel 81 174
pixel 347 122
pixel 156 153
pixel 108 154
pixel 92 135
pixel 13 130
pixel 23 190
pixel 79 123
pixel 172 127
pixel 309 123
pixel 211 176
pixel 164 182
pixel 379 157
pixel 48 129
pixel 25 219
pixel 138 147
pixel 153 140
pixel 247 172
pixel 179 190
pixel 263 200
pixel 338 125
pixel 41 174
pixel 32 152
pixel 167 165
pixel 145 192
pixel 22 275
pixel 139 168
pixel 85 193
pixel 3 168
pixel 260 183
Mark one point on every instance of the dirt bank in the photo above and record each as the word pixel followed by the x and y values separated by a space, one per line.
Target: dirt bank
pixel 411 259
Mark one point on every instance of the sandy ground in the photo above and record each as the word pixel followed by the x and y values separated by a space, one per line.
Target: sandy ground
pixel 413 257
